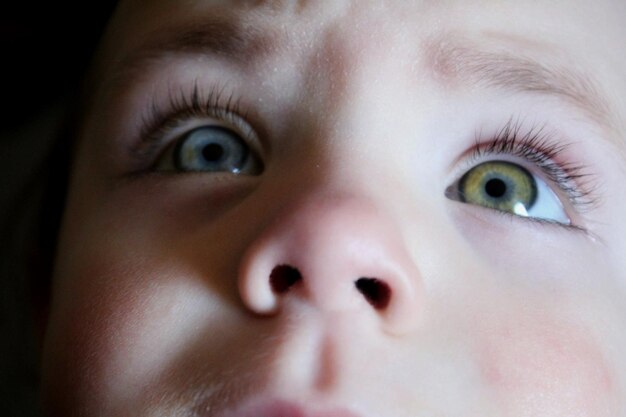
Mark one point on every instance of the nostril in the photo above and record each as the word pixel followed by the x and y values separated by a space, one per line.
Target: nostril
pixel 377 293
pixel 284 277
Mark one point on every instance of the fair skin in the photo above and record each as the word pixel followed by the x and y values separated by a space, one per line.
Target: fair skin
pixel 362 117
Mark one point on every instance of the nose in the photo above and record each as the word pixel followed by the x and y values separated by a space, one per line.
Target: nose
pixel 337 253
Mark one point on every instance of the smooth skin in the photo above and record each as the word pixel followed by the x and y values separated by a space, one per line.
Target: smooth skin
pixel 362 114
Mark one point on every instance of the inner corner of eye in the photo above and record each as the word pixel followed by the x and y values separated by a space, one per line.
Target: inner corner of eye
pixel 452 192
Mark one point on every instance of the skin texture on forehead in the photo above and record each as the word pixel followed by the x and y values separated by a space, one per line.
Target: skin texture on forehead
pixel 286 29
pixel 160 303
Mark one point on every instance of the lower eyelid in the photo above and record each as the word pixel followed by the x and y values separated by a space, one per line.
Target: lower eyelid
pixel 505 220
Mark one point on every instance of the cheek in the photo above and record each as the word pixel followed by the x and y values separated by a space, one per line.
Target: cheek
pixel 116 326
pixel 547 368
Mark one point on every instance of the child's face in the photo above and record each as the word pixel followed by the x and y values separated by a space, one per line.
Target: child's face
pixel 386 208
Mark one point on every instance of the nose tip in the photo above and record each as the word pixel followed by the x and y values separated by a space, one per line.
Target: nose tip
pixel 336 253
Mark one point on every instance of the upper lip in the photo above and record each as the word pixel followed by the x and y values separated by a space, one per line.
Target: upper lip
pixel 278 408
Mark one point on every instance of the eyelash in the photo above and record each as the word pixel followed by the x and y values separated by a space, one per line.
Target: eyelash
pixel 535 147
pixel 161 120
pixel 540 150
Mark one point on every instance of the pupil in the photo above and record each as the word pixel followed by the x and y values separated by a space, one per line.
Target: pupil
pixel 213 152
pixel 495 188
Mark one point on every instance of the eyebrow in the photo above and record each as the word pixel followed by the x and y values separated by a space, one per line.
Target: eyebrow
pixel 222 35
pixel 452 61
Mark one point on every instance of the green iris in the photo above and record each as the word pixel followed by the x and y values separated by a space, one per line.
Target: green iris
pixel 499 185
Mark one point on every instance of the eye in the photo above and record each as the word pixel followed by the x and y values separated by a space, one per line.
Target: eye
pixel 511 188
pixel 211 149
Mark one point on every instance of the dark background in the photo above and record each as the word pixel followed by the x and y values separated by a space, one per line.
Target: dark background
pixel 46 47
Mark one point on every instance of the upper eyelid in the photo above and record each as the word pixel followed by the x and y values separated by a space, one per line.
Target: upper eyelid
pixel 570 192
pixel 181 127
pixel 543 152
pixel 183 105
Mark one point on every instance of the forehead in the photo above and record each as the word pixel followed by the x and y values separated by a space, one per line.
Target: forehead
pixel 565 17
pixel 572 28
pixel 574 34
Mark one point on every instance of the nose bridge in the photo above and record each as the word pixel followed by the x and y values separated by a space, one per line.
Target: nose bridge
pixel 354 80
pixel 337 252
